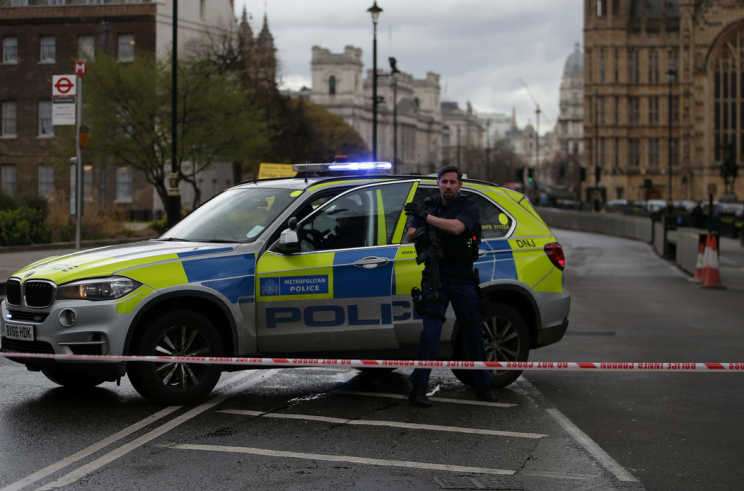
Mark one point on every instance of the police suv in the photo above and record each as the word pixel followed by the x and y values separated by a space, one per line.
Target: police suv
pixel 314 266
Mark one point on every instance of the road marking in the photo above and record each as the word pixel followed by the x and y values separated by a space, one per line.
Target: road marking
pixel 392 424
pixel 595 450
pixel 438 399
pixel 51 469
pixel 256 377
pixel 342 458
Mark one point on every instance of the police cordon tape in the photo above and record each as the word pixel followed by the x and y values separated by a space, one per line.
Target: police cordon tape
pixel 339 363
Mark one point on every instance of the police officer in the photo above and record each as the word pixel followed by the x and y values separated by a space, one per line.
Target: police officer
pixel 456 219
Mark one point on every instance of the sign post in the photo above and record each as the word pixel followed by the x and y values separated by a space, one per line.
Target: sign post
pixel 80 69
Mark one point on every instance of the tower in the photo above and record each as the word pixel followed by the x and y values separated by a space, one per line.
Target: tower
pixel 265 57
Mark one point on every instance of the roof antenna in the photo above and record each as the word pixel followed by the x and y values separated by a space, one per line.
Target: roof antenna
pixel 305 169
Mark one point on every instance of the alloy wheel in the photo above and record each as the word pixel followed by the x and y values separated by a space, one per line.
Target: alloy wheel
pixel 502 340
pixel 182 341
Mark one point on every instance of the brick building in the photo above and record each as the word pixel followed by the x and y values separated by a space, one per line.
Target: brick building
pixel 42 38
pixel 629 47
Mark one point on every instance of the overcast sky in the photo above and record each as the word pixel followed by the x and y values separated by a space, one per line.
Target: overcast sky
pixel 481 48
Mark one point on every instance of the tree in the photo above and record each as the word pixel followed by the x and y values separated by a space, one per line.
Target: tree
pixel 128 112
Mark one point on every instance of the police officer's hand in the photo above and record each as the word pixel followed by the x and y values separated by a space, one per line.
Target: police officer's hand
pixel 414 210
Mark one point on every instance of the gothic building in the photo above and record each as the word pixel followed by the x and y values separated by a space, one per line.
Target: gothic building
pixel 259 54
pixel 338 86
pixel 630 46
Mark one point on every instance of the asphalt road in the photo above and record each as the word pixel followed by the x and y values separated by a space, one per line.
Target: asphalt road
pixel 339 429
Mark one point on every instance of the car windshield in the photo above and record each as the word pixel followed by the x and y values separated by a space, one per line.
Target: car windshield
pixel 237 215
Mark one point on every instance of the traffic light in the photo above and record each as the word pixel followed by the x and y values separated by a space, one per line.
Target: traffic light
pixel 530 175
pixel 582 173
pixel 520 175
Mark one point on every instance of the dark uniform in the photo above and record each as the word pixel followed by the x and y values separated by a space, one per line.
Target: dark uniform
pixel 459 286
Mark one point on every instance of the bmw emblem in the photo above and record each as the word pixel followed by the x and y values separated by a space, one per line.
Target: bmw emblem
pixel 29 274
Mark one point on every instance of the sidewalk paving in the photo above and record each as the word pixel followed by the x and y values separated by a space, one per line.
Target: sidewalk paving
pixel 731 263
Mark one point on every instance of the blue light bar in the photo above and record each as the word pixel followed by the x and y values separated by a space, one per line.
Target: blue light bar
pixel 361 166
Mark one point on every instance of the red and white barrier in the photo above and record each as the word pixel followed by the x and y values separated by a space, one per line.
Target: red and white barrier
pixel 338 363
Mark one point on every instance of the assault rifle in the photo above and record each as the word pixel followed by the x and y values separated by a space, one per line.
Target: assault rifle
pixel 427 247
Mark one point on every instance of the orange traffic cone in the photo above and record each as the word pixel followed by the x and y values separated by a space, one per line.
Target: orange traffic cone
pixel 699 265
pixel 712 276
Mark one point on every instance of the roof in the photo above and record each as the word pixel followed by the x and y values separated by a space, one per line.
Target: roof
pixel 575 61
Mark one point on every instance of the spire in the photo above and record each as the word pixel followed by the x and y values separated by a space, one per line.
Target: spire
pixel 265 40
pixel 246 33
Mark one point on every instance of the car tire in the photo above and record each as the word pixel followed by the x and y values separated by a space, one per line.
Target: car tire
pixel 71 380
pixel 179 333
pixel 499 321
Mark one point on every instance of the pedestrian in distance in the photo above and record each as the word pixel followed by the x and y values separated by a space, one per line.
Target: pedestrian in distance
pixel 456 221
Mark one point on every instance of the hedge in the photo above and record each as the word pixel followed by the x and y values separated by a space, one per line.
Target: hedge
pixel 24 226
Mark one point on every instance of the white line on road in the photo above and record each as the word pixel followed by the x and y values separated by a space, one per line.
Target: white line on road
pixel 256 377
pixel 51 469
pixel 438 399
pixel 391 424
pixel 343 458
pixel 595 450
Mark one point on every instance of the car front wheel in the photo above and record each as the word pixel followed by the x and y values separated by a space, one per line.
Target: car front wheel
pixel 506 338
pixel 180 333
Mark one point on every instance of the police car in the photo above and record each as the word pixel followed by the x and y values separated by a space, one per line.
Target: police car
pixel 311 266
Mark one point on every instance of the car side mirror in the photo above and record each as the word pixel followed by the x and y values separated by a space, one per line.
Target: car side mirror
pixel 289 242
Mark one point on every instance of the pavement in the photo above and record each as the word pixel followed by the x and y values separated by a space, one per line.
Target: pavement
pixel 331 429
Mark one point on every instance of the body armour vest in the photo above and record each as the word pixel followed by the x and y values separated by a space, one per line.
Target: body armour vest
pixel 462 249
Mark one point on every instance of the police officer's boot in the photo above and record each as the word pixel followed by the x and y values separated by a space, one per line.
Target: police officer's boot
pixel 418 397
pixel 485 392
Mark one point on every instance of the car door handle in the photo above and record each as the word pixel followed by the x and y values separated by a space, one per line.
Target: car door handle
pixel 482 252
pixel 372 262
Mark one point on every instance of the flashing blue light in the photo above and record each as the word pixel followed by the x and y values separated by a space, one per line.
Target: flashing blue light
pixel 361 166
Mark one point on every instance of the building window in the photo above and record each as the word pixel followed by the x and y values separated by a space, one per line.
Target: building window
pixel 94 2
pixel 202 9
pixel 45 119
pixel 88 182
pixel 601 8
pixel 633 67
pixel 675 151
pixel 617 152
pixel 601 152
pixel 653 152
pixel 675 109
pixel 46 180
pixel 10 50
pixel 617 63
pixel 617 110
pixel 58 2
pixel 653 67
pixel 615 7
pixel 19 3
pixel 602 67
pixel 445 139
pixel 601 110
pixel 653 110
pixel 126 47
pixel 48 49
pixel 332 85
pixel 9 119
pixel 634 152
pixel 124 184
pixel 8 176
pixel 674 59
pixel 634 110
pixel 87 48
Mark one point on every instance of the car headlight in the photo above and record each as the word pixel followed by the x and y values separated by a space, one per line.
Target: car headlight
pixel 98 289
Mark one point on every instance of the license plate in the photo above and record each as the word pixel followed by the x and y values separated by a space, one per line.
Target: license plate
pixel 22 333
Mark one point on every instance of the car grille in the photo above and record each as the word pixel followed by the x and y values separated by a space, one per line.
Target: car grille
pixel 13 292
pixel 38 294
pixel 86 349
pixel 17 315
pixel 16 346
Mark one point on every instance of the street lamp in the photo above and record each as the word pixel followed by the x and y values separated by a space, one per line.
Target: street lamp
pixel 374 10
pixel 671 75
pixel 174 197
pixel 393 73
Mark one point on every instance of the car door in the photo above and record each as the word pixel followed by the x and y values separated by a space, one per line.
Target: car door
pixel 336 294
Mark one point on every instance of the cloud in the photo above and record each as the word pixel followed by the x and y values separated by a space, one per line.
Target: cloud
pixel 481 48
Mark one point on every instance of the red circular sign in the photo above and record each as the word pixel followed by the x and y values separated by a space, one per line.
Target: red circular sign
pixel 64 85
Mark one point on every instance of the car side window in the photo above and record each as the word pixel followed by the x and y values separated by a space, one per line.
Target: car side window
pixel 494 222
pixel 362 218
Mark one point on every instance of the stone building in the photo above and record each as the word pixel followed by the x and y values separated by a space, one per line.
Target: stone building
pixel 339 86
pixel 569 130
pixel 42 38
pixel 629 47
pixel 462 139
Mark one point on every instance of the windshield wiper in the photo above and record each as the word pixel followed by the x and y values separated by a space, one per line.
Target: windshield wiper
pixel 175 239
pixel 220 241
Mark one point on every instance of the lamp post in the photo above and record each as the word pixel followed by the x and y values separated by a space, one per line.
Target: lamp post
pixel 671 75
pixel 374 10
pixel 394 74
pixel 596 150
pixel 174 197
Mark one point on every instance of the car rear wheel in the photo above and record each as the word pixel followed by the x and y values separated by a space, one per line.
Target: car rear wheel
pixel 180 333
pixel 71 380
pixel 506 338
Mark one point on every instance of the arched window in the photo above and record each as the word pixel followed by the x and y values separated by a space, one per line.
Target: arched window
pixel 332 85
pixel 727 68
pixel 416 101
